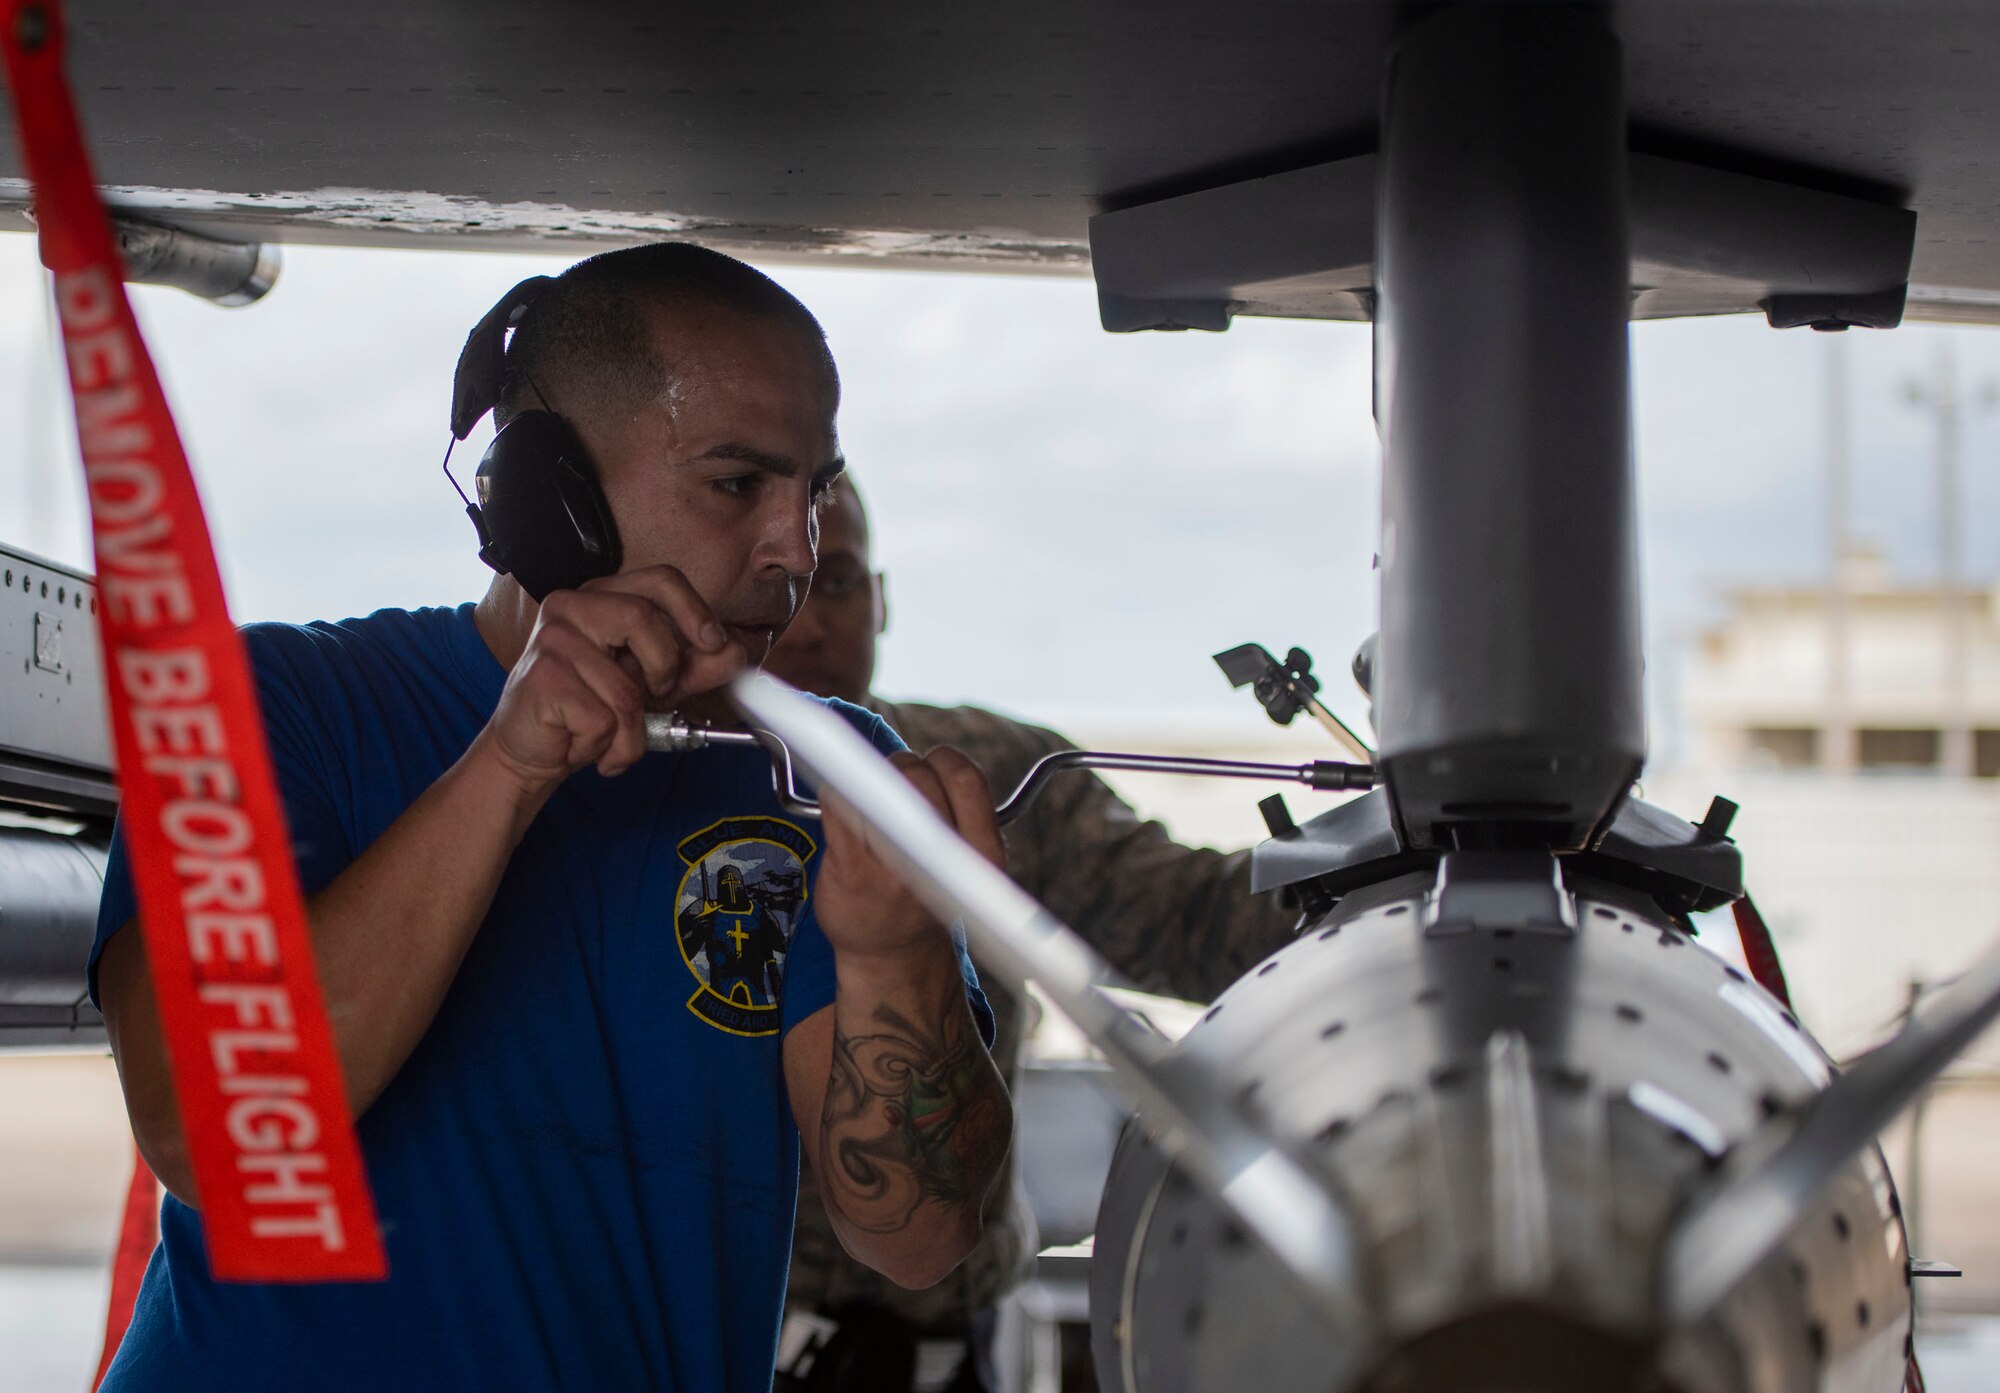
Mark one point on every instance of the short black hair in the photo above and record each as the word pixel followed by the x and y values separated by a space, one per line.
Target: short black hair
pixel 585 340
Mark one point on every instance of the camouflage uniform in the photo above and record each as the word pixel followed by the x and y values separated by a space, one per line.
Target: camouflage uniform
pixel 1175 919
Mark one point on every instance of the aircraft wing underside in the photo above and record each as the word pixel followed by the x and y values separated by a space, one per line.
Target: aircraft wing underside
pixel 976 136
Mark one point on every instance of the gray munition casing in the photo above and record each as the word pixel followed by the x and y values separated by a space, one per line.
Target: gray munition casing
pixel 1515 1105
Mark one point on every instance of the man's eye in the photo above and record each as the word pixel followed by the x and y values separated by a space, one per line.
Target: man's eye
pixel 838 585
pixel 737 485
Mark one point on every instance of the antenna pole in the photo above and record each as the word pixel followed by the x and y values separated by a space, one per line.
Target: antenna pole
pixel 1837 743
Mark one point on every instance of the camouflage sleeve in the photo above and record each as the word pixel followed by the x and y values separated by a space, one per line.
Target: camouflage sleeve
pixel 1176 919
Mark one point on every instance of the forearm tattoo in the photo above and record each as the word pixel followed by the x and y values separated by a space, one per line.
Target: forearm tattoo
pixel 914 1112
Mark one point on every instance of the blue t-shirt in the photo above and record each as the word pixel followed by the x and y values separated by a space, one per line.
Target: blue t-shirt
pixel 585 1171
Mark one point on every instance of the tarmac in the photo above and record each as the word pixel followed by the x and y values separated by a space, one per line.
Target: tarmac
pixel 65 1158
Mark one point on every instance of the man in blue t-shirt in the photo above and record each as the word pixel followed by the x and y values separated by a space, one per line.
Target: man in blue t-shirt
pixel 587 999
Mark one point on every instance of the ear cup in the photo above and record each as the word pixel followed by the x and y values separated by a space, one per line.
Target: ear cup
pixel 542 513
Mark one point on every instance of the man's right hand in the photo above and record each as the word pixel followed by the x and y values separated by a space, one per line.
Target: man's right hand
pixel 598 658
pixel 391 929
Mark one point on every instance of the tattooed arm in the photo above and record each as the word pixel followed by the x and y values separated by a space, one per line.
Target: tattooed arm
pixel 912 1120
pixel 904 1118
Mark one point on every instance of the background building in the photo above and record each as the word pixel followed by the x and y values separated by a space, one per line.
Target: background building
pixel 1864 676
pixel 1858 724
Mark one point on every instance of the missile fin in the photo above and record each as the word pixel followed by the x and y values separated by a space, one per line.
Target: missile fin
pixel 1728 1231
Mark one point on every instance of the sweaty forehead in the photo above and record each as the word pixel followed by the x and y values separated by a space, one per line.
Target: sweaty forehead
pixel 706 346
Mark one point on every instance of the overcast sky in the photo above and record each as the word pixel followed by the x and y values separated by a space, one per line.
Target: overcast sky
pixel 1072 521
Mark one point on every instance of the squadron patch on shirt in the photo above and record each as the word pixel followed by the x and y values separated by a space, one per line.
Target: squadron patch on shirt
pixel 737 908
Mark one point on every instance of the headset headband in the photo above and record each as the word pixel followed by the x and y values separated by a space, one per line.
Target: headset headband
pixel 482 364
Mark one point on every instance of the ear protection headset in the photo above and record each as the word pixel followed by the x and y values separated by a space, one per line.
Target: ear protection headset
pixel 541 515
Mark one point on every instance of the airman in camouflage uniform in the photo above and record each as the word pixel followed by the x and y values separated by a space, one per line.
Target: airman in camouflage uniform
pixel 1175 919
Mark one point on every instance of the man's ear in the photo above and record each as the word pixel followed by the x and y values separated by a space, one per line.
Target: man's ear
pixel 879 582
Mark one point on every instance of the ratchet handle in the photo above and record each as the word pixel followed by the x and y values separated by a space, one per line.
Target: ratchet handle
pixel 668 733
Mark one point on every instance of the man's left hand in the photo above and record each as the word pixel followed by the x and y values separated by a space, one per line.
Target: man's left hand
pixel 863 907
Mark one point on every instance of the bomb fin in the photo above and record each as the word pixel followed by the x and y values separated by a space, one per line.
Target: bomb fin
pixel 1781 1171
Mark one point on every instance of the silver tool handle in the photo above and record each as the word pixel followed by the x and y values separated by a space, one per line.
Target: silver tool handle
pixel 1256 1174
pixel 666 734
pixel 672 734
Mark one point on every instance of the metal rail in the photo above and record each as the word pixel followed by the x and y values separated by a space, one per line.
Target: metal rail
pixel 672 734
